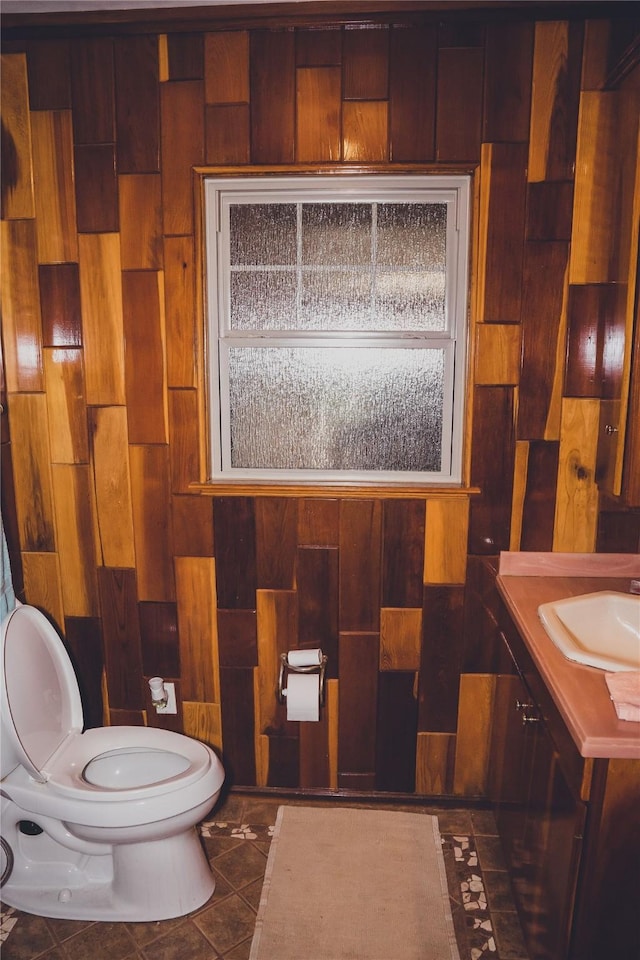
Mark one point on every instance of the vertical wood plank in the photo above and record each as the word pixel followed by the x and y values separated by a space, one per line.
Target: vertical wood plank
pixel 272 61
pixel 21 328
pixel 519 486
pixel 400 638
pixel 314 753
pixel 238 726
pixel 93 90
pixel 435 755
pixel 492 462
pixel 459 104
pixel 497 356
pixel 319 48
pixel 543 340
pixel 358 694
pixel 276 542
pixel 474 734
pixel 332 701
pixel 226 67
pixel 235 532
pixel 555 88
pixel 507 82
pixel 365 130
pixel 586 312
pixel 17 172
pixel 277 632
pixel 145 345
pixel 53 170
pixel 360 552
pixel 445 556
pixel 32 472
pixel 402 553
pixel 396 732
pixel 503 206
pixel 197 626
pixel 317 591
pixel 66 405
pixel 183 437
pixel 412 93
pixel 549 210
pixel 237 643
pixel 192 526
pixel 102 321
pixel 596 214
pixel 96 188
pixel 227 133
pixel 49 74
pixel 318 522
pixel 204 722
pixel 577 493
pixel 185 52
pixel 179 272
pixel 140 213
pixel 318 113
pixel 83 636
pixel 59 285
pixel 365 63
pixel 182 115
pixel 539 496
pixel 150 494
pixel 137 104
pixel 112 480
pixel 159 639
pixel 74 505
pixel 42 584
pixel 121 633
pixel 442 650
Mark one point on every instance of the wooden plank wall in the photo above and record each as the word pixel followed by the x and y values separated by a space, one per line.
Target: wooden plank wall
pixel 145 576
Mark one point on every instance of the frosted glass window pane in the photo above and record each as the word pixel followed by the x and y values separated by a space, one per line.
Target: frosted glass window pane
pixel 336 234
pixel 410 301
pixel 263 300
pixel 263 234
pixel 412 235
pixel 336 300
pixel 330 408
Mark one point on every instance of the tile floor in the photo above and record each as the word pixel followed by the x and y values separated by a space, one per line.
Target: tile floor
pixel 237 841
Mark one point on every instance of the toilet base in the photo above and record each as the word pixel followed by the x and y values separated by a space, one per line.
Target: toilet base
pixel 154 880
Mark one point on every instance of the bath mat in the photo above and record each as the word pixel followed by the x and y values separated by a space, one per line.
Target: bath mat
pixel 348 884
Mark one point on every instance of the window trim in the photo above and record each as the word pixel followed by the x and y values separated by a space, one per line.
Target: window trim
pixel 349 185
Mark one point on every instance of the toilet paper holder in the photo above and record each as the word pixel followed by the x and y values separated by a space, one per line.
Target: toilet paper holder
pixel 312 668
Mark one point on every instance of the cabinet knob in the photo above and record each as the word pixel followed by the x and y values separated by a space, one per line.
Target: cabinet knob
pixel 609 429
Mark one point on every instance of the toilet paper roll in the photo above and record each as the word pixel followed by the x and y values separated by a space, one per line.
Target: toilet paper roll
pixel 305 658
pixel 303 696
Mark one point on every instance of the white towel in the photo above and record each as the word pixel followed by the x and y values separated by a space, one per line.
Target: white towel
pixel 624 689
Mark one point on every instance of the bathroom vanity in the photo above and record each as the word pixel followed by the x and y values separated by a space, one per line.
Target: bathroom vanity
pixel 564 772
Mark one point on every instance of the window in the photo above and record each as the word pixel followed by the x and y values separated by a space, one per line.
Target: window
pixel 337 327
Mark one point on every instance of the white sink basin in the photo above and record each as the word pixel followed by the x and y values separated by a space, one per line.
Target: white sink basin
pixel 597 629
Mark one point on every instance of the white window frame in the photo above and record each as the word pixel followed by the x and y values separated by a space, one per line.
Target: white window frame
pixel 454 190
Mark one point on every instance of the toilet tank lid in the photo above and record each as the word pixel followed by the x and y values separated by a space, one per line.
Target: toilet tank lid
pixel 41 705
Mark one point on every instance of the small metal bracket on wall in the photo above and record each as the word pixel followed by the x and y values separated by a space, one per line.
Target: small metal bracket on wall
pixel 313 668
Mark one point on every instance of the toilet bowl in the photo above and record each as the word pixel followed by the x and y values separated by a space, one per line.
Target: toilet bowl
pixel 99 825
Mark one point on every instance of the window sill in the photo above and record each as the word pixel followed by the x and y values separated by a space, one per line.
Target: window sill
pixel 355 491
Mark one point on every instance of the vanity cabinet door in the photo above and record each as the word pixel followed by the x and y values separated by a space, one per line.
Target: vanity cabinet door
pixel 539 818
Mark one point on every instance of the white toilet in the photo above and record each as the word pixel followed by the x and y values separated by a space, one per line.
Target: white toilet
pixel 97 825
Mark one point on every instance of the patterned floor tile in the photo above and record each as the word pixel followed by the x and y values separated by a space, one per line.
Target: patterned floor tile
pixel 237 842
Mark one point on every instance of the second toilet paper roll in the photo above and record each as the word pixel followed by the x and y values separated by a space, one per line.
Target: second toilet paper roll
pixel 303 696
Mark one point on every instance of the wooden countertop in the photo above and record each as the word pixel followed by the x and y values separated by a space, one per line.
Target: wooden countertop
pixel 579 692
